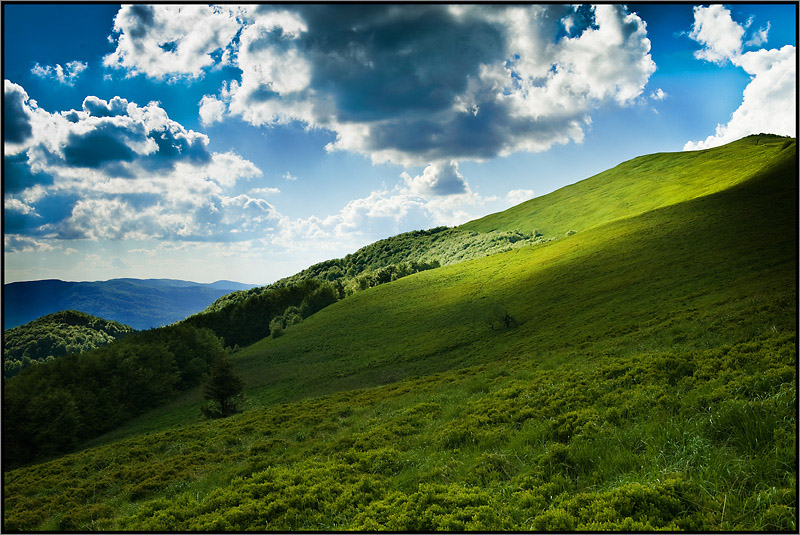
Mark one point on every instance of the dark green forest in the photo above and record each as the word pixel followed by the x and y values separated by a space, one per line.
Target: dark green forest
pixel 50 409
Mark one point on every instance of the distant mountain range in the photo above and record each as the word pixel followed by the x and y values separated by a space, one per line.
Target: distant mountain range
pixel 140 303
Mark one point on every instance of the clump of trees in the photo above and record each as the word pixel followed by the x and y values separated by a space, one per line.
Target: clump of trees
pixel 386 274
pixel 52 407
pixel 56 335
pixel 245 321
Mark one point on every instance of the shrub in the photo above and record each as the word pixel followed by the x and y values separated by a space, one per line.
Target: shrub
pixel 276 326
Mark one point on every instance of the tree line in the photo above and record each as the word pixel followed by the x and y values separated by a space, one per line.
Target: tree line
pixel 256 314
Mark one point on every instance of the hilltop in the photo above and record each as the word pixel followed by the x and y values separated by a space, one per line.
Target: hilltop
pixel 636 374
pixel 56 335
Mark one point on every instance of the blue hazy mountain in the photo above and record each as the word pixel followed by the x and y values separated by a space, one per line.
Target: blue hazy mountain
pixel 140 303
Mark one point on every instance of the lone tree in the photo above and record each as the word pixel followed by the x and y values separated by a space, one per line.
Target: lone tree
pixel 223 388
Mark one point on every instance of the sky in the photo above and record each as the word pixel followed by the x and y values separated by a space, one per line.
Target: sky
pixel 204 142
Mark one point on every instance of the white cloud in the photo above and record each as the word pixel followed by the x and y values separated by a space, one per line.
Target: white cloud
pixel 212 218
pixel 171 41
pixel 769 100
pixel 15 243
pixel 411 204
pixel 658 94
pixel 441 83
pixel 265 191
pixel 759 37
pixel 720 36
pixel 268 59
pixel 212 110
pixel 146 252
pixel 93 262
pixel 65 75
pixel 129 172
pixel 288 176
pixel 516 196
pixel 15 205
pixel 440 178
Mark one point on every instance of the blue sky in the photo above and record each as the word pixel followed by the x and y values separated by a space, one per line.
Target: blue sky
pixel 246 143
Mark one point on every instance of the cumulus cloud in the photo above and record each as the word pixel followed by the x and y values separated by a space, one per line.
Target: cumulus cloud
pixel 720 36
pixel 16 205
pixel 421 84
pixel 155 179
pixel 212 110
pixel 437 179
pixel 21 244
pixel 288 176
pixel 17 116
pixel 97 107
pixel 769 100
pixel 171 41
pixel 64 75
pixel 516 196
pixel 117 137
pixel 118 170
pixel 214 218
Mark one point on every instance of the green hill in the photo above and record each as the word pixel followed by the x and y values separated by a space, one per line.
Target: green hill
pixel 56 335
pixel 631 188
pixel 244 317
pixel 637 375
pixel 638 186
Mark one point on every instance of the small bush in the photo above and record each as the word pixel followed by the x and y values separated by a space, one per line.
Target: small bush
pixel 276 327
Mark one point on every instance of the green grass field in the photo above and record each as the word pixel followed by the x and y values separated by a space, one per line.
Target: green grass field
pixel 646 381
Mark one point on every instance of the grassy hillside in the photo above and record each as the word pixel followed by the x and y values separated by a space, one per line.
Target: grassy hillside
pixel 56 335
pixel 646 381
pixel 244 317
pixel 631 188
pixel 637 186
